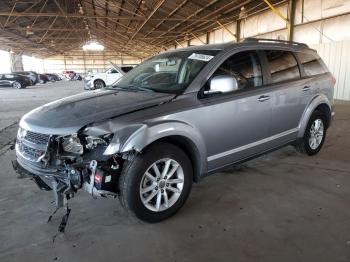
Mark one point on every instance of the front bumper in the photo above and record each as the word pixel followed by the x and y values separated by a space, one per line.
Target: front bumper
pixel 88 85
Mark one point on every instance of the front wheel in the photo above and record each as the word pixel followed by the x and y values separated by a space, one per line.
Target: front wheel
pixel 17 85
pixel 98 84
pixel 314 136
pixel 156 184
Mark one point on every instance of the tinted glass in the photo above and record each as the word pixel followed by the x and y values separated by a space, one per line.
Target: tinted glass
pixel 9 76
pixel 283 66
pixel 312 64
pixel 245 67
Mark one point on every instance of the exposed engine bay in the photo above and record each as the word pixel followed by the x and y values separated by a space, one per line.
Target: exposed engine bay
pixel 65 164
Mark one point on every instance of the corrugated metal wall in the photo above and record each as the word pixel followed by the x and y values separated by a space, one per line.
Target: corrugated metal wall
pixel 83 62
pixel 336 55
pixel 323 24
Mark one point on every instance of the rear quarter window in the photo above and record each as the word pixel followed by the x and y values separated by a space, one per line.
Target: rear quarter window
pixel 312 64
pixel 283 66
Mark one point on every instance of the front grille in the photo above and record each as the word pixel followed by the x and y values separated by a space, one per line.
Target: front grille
pixel 33 153
pixel 36 138
pixel 31 146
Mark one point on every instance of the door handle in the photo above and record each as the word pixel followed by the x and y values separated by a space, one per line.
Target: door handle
pixel 263 98
pixel 306 88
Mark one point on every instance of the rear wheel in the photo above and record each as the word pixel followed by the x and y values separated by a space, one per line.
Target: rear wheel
pixel 17 85
pixel 99 84
pixel 156 184
pixel 314 136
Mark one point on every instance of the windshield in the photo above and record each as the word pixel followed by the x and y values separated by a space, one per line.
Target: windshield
pixel 168 72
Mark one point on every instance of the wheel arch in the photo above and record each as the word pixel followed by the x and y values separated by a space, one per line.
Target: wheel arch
pixel 190 149
pixel 99 79
pixel 175 132
pixel 321 103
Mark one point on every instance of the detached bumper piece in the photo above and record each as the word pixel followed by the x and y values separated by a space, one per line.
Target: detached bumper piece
pixel 59 196
pixel 24 173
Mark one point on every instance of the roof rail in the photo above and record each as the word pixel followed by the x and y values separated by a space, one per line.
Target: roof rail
pixel 263 40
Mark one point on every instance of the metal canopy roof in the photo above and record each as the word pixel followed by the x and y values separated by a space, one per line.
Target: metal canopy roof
pixel 134 28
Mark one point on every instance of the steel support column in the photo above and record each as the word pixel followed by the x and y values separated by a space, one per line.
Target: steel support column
pixel 238 30
pixel 291 18
pixel 16 62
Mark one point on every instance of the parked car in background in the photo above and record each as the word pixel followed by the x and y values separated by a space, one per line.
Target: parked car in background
pixel 99 80
pixel 34 77
pixel 52 77
pixel 15 80
pixel 72 76
pixel 68 74
pixel 127 68
pixel 43 79
pixel 61 76
pixel 176 118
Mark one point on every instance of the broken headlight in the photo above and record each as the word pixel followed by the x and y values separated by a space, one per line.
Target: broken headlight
pixel 92 142
pixel 72 144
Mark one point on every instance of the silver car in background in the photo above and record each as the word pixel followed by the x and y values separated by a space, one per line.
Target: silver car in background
pixel 176 118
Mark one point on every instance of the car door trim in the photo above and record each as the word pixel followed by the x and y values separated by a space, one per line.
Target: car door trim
pixel 256 143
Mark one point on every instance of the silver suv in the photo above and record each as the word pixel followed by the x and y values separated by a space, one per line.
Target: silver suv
pixel 176 118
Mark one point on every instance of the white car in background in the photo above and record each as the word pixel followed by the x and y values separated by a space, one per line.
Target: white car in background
pixel 99 80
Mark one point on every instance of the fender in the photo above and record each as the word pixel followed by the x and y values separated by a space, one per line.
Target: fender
pixel 138 137
pixel 314 103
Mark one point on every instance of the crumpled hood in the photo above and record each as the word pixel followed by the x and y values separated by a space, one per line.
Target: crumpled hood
pixel 68 115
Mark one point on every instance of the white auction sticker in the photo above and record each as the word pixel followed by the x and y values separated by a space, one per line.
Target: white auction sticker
pixel 200 57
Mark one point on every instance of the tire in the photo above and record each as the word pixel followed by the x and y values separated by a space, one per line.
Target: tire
pixel 99 84
pixel 133 179
pixel 17 85
pixel 305 145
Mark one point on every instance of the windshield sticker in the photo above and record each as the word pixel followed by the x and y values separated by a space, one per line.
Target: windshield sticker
pixel 200 57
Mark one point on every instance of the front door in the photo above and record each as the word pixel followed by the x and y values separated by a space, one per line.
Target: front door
pixel 236 124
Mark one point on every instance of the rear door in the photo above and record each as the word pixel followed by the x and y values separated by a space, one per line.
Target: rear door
pixel 317 74
pixel 289 93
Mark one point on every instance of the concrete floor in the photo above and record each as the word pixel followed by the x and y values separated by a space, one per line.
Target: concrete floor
pixel 280 207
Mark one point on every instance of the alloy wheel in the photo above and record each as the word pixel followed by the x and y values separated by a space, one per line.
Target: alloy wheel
pixel 162 184
pixel 316 134
pixel 17 85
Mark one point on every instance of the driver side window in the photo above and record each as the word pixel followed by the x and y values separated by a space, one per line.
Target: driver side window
pixel 244 67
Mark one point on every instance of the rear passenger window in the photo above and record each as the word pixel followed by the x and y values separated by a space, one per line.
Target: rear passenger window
pixel 312 64
pixel 283 66
pixel 245 67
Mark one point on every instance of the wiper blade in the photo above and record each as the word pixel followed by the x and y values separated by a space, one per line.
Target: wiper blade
pixel 132 88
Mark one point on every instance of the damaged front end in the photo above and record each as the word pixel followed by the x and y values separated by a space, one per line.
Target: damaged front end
pixel 66 164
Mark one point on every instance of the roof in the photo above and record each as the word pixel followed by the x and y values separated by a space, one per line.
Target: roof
pixel 135 27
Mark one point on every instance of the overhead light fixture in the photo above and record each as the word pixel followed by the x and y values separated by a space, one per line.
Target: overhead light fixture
pixel 93 46
pixel 29 30
pixel 52 43
pixel 243 13
pixel 11 51
pixel 143 5
pixel 80 10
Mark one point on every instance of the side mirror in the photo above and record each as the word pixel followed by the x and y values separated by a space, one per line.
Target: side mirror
pixel 222 84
